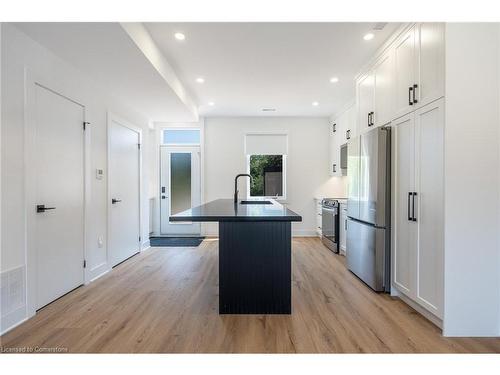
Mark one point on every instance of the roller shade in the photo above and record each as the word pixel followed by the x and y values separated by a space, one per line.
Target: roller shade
pixel 266 144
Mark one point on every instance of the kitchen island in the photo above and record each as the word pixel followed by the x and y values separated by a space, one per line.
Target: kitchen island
pixel 255 260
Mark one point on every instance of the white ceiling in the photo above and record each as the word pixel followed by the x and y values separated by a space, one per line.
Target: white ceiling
pixel 106 53
pixel 250 66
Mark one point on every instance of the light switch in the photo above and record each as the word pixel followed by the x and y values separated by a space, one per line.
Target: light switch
pixel 99 174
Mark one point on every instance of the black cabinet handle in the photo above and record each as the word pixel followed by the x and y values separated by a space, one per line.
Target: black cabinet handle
pixel 334 168
pixel 410 90
pixel 334 128
pixel 415 86
pixel 42 208
pixel 113 201
pixel 369 114
pixel 370 118
pixel 410 216
pixel 348 134
pixel 413 217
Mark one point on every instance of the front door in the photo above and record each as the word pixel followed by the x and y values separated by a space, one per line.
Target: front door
pixel 124 192
pixel 58 237
pixel 179 187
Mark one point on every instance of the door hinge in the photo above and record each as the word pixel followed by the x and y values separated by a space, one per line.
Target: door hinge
pixel 84 263
pixel 85 123
pixel 139 146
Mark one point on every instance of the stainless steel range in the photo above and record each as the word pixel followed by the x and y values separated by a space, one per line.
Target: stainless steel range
pixel 330 223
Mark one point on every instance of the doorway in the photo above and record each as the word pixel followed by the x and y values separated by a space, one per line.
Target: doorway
pixel 124 190
pixel 180 188
pixel 57 188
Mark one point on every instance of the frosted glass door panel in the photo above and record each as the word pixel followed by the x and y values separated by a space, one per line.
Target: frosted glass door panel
pixel 180 182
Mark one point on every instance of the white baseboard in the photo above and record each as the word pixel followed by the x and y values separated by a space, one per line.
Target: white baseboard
pixel 12 320
pixel 304 233
pixel 145 245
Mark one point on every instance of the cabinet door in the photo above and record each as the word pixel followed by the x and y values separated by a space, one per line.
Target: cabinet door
pixel 404 237
pixel 343 227
pixel 430 62
pixel 384 75
pixel 365 95
pixel 429 150
pixel 334 165
pixel 404 73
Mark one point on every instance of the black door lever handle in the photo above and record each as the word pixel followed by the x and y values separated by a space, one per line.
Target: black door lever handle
pixel 42 208
pixel 113 201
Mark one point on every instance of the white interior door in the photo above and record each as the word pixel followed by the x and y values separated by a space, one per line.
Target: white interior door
pixel 124 192
pixel 180 187
pixel 59 190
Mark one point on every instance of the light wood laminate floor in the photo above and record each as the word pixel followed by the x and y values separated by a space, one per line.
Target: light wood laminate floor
pixel 165 300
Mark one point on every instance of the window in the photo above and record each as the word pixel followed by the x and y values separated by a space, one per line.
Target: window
pixel 268 174
pixel 181 136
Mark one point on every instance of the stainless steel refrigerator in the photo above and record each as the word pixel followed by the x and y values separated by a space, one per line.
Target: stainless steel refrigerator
pixel 369 207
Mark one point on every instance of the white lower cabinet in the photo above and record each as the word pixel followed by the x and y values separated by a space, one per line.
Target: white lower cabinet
pixel 418 165
pixel 343 227
pixel 318 211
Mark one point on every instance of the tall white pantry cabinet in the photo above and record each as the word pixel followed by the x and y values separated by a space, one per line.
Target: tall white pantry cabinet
pixel 403 87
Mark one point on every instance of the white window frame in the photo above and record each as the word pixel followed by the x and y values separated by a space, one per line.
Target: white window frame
pixel 280 197
pixel 179 128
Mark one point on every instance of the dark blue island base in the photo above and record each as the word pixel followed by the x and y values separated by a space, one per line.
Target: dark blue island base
pixel 255 267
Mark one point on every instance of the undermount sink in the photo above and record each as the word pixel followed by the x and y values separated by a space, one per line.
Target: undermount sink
pixel 256 202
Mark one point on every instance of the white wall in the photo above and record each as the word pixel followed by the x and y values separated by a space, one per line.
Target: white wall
pixel 472 185
pixel 307 162
pixel 18 52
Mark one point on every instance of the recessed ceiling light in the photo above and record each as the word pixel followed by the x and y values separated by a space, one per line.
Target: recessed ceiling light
pixel 179 36
pixel 315 104
pixel 369 36
pixel 200 79
pixel 211 104
pixel 334 80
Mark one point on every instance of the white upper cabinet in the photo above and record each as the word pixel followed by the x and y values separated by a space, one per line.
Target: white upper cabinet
pixel 404 73
pixel 383 75
pixel 334 164
pixel 430 47
pixel 365 100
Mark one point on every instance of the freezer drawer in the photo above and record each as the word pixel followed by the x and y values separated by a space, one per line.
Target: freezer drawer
pixel 366 255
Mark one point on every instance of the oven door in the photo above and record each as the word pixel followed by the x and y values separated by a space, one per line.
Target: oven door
pixel 329 227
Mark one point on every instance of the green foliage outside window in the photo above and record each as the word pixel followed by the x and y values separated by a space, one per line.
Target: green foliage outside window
pixel 259 164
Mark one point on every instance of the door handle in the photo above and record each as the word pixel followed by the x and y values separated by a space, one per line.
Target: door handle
pixel 413 217
pixel 334 168
pixel 410 90
pixel 163 197
pixel 415 86
pixel 409 215
pixel 345 224
pixel 113 201
pixel 42 208
pixel 369 114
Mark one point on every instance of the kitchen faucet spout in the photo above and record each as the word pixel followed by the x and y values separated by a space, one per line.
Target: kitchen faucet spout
pixel 236 184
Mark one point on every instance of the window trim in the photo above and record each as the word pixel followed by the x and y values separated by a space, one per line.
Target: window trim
pixel 280 197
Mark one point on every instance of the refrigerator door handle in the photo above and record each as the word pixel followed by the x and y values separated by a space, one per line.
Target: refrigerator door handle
pixel 413 217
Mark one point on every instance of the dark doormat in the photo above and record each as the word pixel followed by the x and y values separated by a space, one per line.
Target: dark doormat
pixel 175 241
